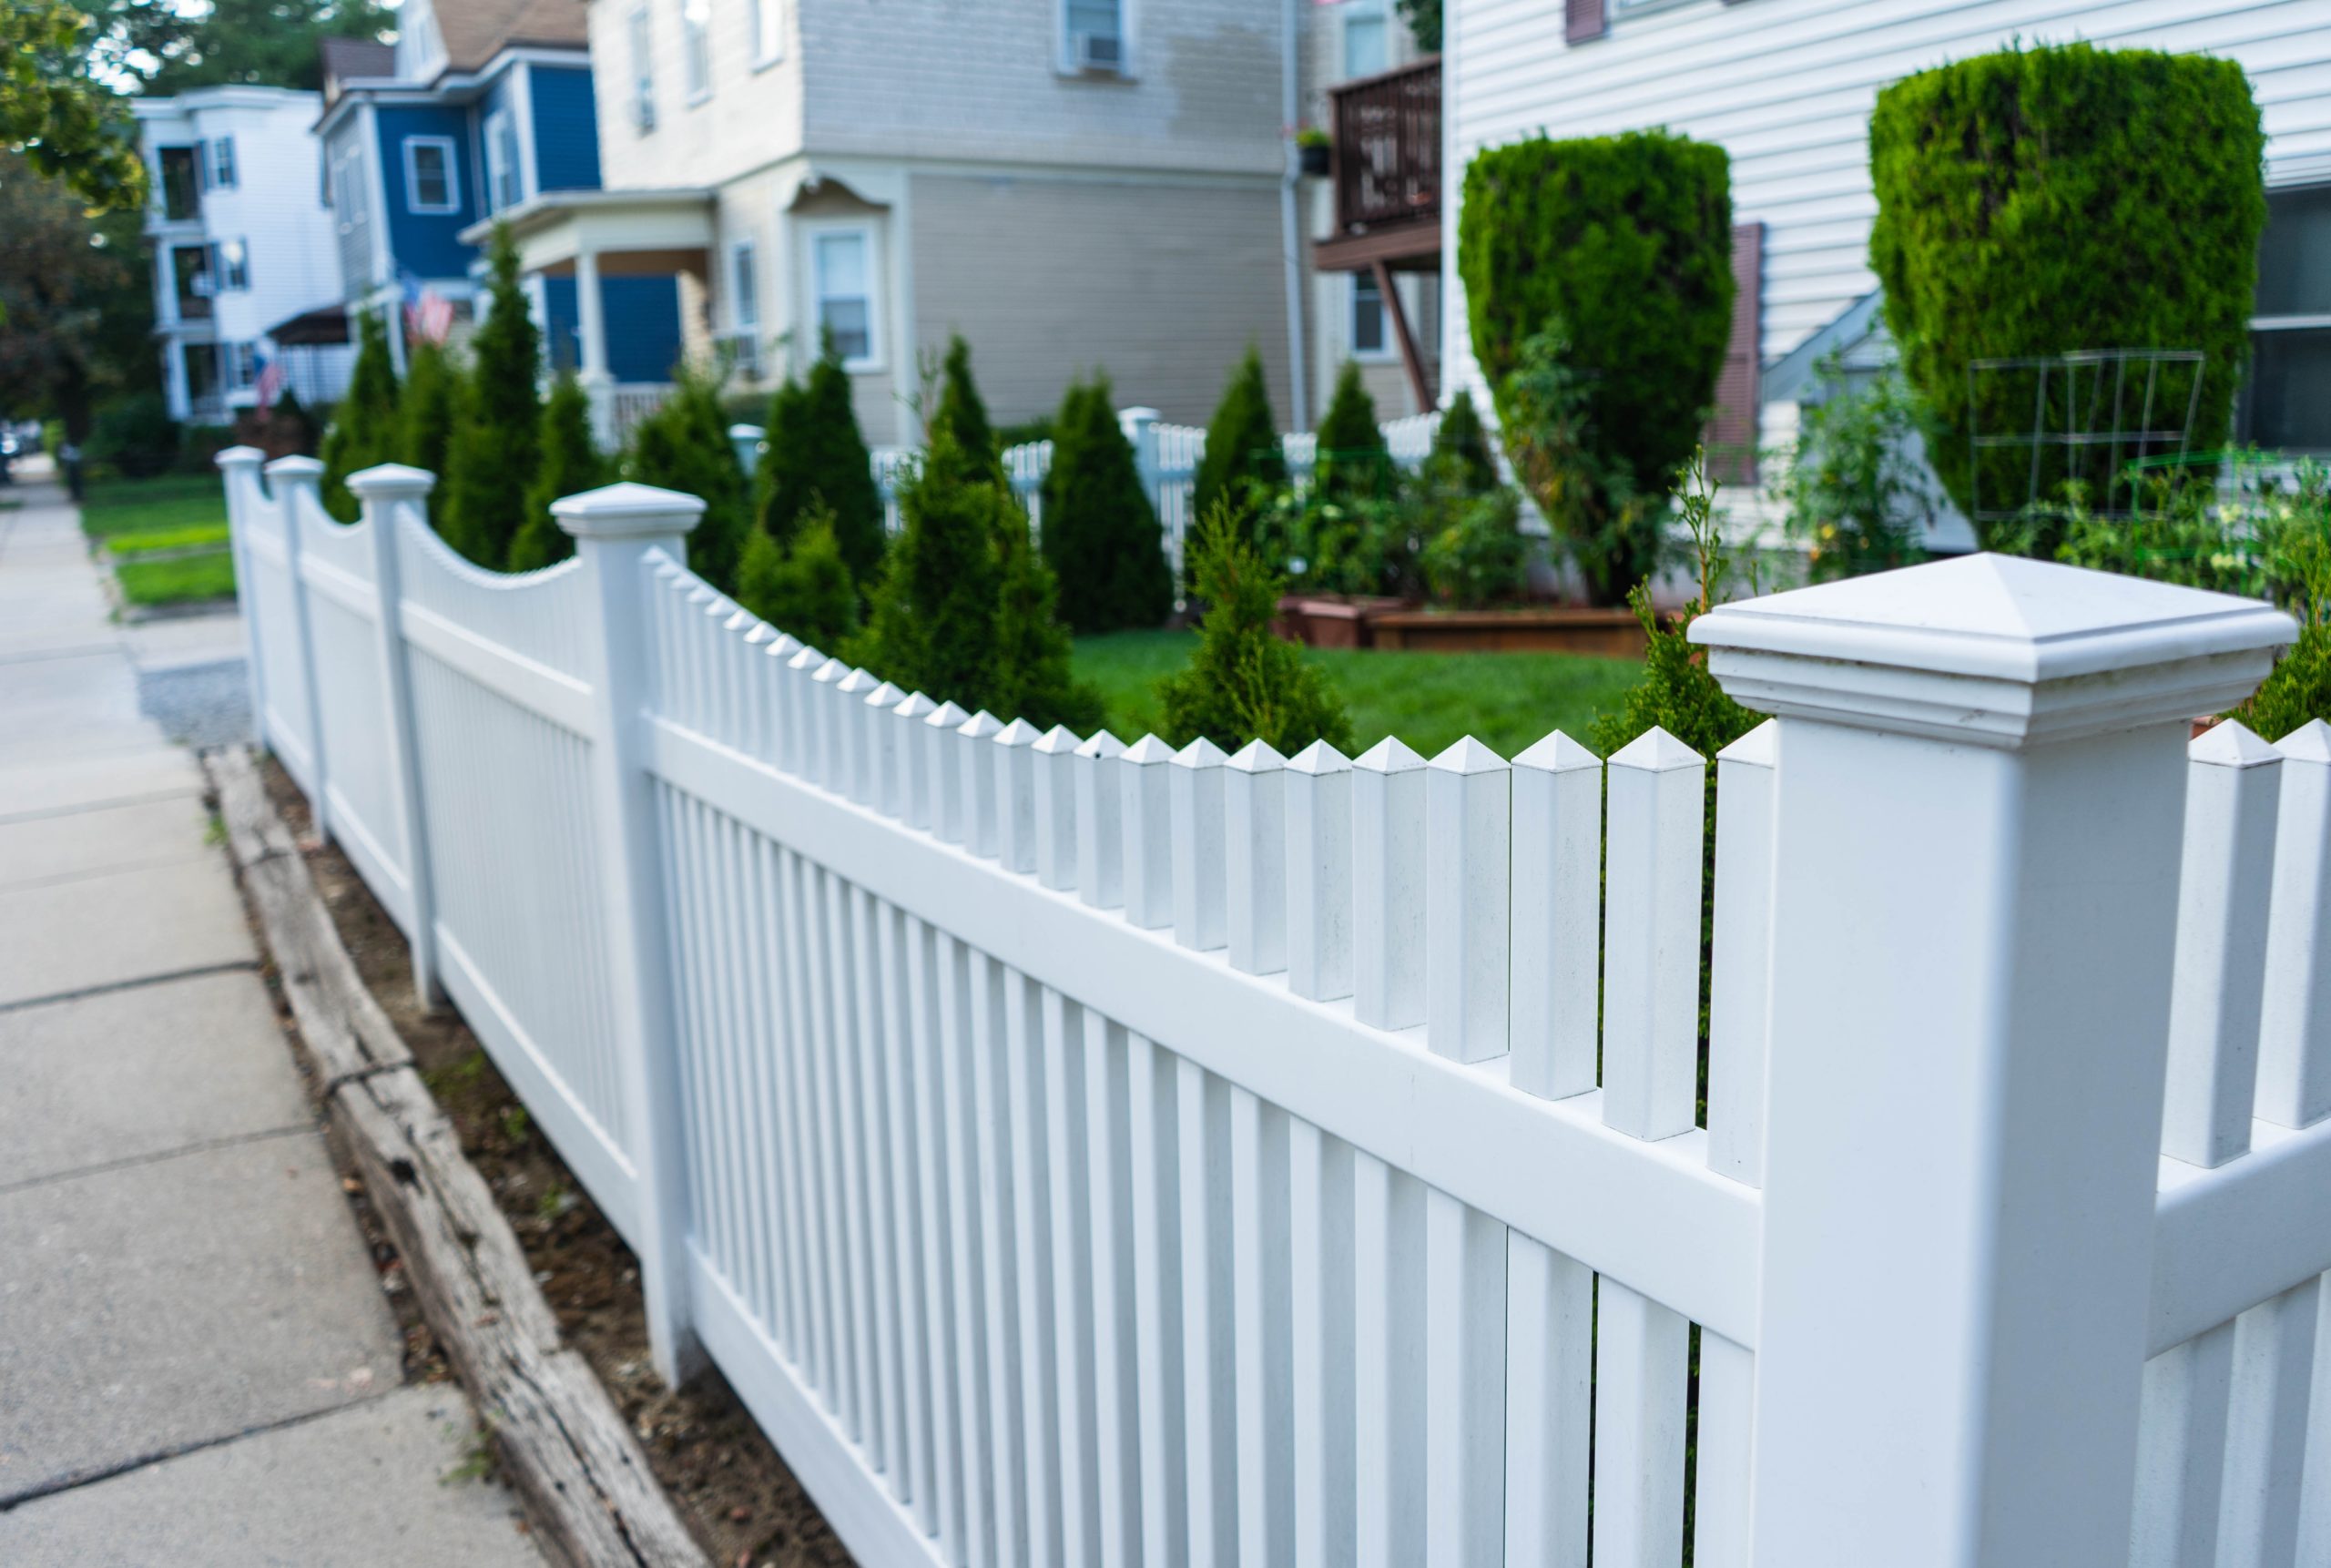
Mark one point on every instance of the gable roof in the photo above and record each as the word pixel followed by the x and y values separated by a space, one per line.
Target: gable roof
pixel 474 31
pixel 350 59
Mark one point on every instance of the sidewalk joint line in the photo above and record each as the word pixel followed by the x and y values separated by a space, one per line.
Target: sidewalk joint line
pixel 200 971
pixel 151 798
pixel 132 1162
pixel 89 873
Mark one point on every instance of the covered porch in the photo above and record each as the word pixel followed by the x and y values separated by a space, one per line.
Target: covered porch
pixel 616 277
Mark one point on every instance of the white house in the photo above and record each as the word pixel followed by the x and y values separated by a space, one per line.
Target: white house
pixel 1786 87
pixel 242 242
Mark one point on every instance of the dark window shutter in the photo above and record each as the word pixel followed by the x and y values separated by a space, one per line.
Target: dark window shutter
pixel 1731 434
pixel 1582 19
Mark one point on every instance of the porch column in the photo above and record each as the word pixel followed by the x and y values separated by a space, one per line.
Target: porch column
pixel 592 327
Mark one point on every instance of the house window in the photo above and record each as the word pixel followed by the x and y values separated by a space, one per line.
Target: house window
pixel 1094 37
pixel 643 71
pixel 696 48
pixel 1367 316
pixel 431 184
pixel 181 183
pixel 842 273
pixel 243 366
pixel 222 164
pixel 760 26
pixel 348 193
pixel 230 264
pixel 2286 401
pixel 1367 38
pixel 744 311
pixel 503 184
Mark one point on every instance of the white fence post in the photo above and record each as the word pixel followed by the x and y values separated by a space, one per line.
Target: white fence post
pixel 615 529
pixel 387 494
pixel 1977 842
pixel 1140 426
pixel 239 467
pixel 289 476
pixel 746 440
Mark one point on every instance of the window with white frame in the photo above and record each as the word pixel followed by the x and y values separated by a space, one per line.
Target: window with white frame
pixel 842 272
pixel 762 32
pixel 431 182
pixel 744 309
pixel 505 186
pixel 230 264
pixel 1093 36
pixel 696 48
pixel 2286 395
pixel 641 28
pixel 242 366
pixel 222 163
pixel 1367 37
pixel 350 199
pixel 1368 338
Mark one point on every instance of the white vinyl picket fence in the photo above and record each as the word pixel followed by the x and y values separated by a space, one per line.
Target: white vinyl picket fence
pixel 1078 1152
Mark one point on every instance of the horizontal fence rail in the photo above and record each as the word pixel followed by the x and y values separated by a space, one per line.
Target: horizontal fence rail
pixel 1079 1152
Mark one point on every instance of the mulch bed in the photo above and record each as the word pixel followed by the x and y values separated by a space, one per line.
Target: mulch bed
pixel 739 1497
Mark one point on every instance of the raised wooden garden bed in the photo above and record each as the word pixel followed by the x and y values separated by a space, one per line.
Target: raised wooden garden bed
pixel 1364 622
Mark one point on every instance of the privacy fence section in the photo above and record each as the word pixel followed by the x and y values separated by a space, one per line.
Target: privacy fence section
pixel 1084 1152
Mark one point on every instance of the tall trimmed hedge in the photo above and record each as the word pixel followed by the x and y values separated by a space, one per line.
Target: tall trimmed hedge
pixel 1350 458
pixel 684 446
pixel 365 427
pixel 433 385
pixel 1100 532
pixel 815 455
pixel 570 464
pixel 497 433
pixel 1622 245
pixel 2044 200
pixel 960 408
pixel 1242 450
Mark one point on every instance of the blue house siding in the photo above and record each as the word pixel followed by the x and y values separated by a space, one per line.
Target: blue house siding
pixel 561 324
pixel 567 130
pixel 643 317
pixel 427 244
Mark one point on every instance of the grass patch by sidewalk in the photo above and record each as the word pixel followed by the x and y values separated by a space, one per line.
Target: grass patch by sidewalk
pixel 177 580
pixel 151 541
pixel 173 501
pixel 176 511
pixel 1507 701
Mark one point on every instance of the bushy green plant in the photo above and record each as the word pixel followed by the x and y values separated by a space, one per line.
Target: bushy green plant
pixel 1587 496
pixel 2260 533
pixel 133 437
pixel 570 464
pixel 1242 462
pixel 1322 544
pixel 1462 440
pixel 2042 201
pixel 816 454
pixel 365 427
pixel 1852 489
pixel 1032 678
pixel 425 414
pixel 804 588
pixel 1100 532
pixel 1478 557
pixel 960 408
pixel 684 446
pixel 496 444
pixel 1620 247
pixel 1350 457
pixel 1243 683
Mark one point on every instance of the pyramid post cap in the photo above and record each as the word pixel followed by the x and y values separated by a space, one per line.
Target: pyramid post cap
pixel 1760 747
pixel 884 696
pixel 760 633
pixel 1318 758
pixel 740 619
pixel 1258 756
pixel 1557 753
pixel 830 672
pixel 1102 744
pixel 1060 740
pixel 947 715
pixel 296 467
pixel 854 680
pixel 1656 751
pixel 2230 743
pixel 805 656
pixel 1019 732
pixel 627 510
pixel 1468 756
pixel 915 706
pixel 1147 751
pixel 2310 742
pixel 391 481
pixel 785 645
pixel 1200 753
pixel 239 457
pixel 1390 755
pixel 979 726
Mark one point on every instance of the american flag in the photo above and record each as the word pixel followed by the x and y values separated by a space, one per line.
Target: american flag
pixel 428 315
pixel 270 385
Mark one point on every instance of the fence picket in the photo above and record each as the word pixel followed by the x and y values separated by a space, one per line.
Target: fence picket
pixel 1055 806
pixel 874 1094
pixel 1464 1374
pixel 1720 1515
pixel 1549 1382
pixel 982 1458
pixel 1154 1164
pixel 2180 1459
pixel 1072 1275
pixel 913 758
pixel 2274 1353
pixel 1117 1536
pixel 1642 1354
pixel 1388 1364
pixel 1253 811
pixel 991 1104
pixel 803 757
pixel 1468 872
pixel 1388 875
pixel 1025 1091
pixel 1651 955
pixel 1209 1369
pixel 1100 822
pixel 1262 1326
pixel 950 799
pixel 1146 801
pixel 941 1265
pixel 887 793
pixel 1318 874
pixel 1557 917
pixel 1319 1295
pixel 1743 954
pixel 1199 847
pixel 983 784
pixel 1014 761
pixel 2294 1011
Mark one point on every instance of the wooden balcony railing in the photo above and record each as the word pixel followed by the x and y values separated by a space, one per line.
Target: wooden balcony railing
pixel 1387 163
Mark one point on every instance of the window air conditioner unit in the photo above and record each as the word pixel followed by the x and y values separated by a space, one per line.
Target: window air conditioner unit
pixel 1098 53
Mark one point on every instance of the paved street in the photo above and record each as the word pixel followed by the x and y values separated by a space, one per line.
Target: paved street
pixel 197 1365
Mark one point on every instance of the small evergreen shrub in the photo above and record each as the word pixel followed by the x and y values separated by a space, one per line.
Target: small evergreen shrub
pixel 1349 457
pixel 1477 557
pixel 496 444
pixel 804 588
pixel 684 446
pixel 425 416
pixel 816 454
pixel 1101 536
pixel 1031 675
pixel 570 464
pixel 1242 462
pixel 1462 440
pixel 2038 201
pixel 1242 682
pixel 1621 246
pixel 960 408
pixel 1852 489
pixel 365 427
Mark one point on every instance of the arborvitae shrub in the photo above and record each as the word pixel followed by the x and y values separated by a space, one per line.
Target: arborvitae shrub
pixel 815 453
pixel 570 464
pixel 1462 442
pixel 1030 677
pixel 960 408
pixel 1243 683
pixel 1350 457
pixel 804 588
pixel 1243 463
pixel 1626 243
pixel 497 439
pixel 684 446
pixel 425 415
pixel 2038 201
pixel 1100 532
pixel 363 431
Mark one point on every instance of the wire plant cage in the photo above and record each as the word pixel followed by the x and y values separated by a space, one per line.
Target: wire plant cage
pixel 2093 415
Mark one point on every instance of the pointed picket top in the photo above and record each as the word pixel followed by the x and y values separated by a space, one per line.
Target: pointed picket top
pixel 2230 743
pixel 979 726
pixel 1390 755
pixel 667 569
pixel 1147 751
pixel 856 681
pixel 700 596
pixel 1060 740
pixel 759 633
pixel 946 716
pixel 2310 742
pixel 1019 732
pixel 1257 757
pixel 832 670
pixel 743 621
pixel 1469 755
pixel 1558 753
pixel 720 607
pixel 1200 753
pixel 806 657
pixel 1760 747
pixel 1318 758
pixel 884 696
pixel 1656 751
pixel 912 706
pixel 1102 744
pixel 784 645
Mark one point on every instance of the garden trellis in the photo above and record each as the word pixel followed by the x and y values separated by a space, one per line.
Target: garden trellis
pixel 1081 1153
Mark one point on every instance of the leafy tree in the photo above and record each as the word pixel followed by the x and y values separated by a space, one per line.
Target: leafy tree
pixel 497 443
pixel 815 453
pixel 803 587
pixel 267 42
pixel 570 464
pixel 75 310
pixel 1349 453
pixel 1462 441
pixel 1101 534
pixel 1243 463
pixel 1243 683
pixel 365 427
pixel 1423 17
pixel 2037 201
pixel 56 115
pixel 425 415
pixel 1623 245
pixel 684 446
pixel 960 408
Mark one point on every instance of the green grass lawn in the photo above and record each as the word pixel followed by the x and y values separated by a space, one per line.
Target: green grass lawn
pixel 148 541
pixel 1506 700
pixel 210 576
pixel 172 502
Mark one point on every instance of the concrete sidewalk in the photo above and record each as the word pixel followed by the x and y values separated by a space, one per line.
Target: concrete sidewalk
pixel 197 1365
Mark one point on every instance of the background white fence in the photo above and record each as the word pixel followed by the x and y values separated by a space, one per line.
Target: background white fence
pixel 1086 1153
